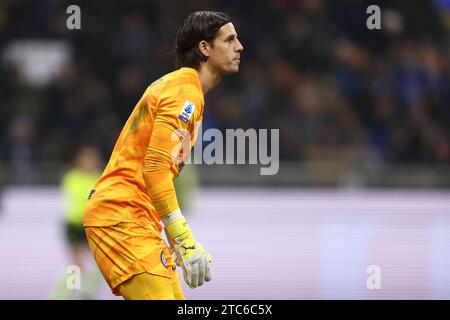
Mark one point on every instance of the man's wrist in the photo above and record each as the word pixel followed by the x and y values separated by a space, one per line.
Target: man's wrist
pixel 171 217
pixel 176 226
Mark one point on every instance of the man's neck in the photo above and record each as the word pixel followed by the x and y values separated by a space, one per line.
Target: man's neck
pixel 208 78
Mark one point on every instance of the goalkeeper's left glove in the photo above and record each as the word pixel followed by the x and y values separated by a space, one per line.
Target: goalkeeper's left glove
pixel 188 252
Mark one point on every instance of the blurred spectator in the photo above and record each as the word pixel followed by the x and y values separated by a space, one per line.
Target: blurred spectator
pixel 76 185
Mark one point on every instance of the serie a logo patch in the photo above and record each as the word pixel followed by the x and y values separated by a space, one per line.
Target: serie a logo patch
pixel 187 111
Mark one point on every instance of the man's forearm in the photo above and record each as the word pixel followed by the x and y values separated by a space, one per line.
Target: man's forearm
pixel 161 191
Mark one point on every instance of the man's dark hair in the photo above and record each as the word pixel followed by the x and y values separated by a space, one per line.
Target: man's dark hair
pixel 198 26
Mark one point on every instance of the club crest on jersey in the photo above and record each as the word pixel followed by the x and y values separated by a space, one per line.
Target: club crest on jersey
pixel 187 111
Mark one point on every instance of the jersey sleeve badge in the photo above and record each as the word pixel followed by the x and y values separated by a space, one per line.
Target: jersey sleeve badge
pixel 187 111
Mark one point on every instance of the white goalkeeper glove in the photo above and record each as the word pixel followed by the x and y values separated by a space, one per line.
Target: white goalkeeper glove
pixel 187 251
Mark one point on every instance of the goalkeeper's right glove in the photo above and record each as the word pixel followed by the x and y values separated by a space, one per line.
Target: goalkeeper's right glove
pixel 188 252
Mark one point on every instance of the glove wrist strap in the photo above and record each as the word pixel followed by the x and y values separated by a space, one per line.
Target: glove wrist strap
pixel 176 226
pixel 171 217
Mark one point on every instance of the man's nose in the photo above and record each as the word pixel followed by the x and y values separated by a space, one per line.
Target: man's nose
pixel 239 48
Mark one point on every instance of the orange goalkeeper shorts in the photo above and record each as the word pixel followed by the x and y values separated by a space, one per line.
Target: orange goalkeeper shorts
pixel 127 249
pixel 146 286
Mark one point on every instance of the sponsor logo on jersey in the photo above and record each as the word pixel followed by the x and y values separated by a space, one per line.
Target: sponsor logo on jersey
pixel 187 111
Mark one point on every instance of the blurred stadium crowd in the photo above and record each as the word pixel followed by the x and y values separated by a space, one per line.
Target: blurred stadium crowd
pixel 312 68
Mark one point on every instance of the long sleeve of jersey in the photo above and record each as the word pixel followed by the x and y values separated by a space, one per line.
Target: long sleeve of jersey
pixel 173 135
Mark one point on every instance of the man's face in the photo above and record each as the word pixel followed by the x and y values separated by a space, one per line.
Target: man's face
pixel 226 53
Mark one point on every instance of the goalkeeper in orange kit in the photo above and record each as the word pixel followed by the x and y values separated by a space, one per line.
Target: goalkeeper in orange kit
pixel 136 192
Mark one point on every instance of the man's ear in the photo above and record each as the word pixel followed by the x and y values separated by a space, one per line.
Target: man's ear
pixel 204 48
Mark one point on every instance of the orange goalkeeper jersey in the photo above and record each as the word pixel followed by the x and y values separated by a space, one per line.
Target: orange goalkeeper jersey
pixel 137 184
